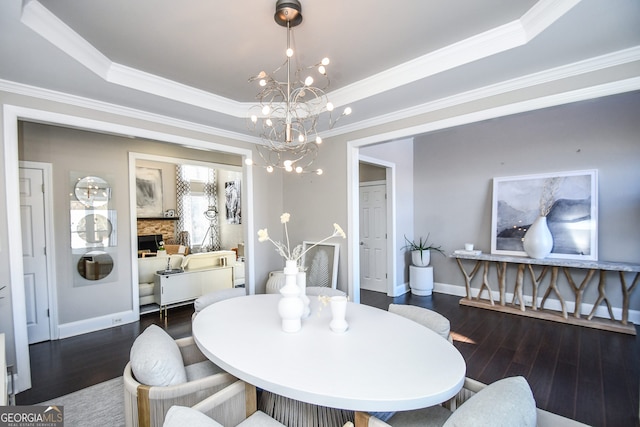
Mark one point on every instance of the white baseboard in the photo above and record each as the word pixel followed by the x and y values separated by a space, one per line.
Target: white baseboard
pixel 71 329
pixel 551 304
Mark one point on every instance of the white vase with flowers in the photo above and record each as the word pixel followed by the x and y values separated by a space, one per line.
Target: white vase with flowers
pixel 294 304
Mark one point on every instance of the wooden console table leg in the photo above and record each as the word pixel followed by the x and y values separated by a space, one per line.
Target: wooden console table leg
pixel 553 286
pixel 535 283
pixel 501 269
pixel 485 283
pixel 578 291
pixel 602 296
pixel 468 277
pixel 625 295
pixel 517 292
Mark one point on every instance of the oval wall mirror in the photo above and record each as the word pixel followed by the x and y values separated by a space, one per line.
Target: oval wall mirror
pixel 92 191
pixel 95 265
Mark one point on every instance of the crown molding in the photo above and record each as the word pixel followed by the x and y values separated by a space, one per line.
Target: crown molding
pixel 576 69
pixel 119 110
pixel 55 31
pixel 159 86
pixel 548 76
pixel 584 94
pixel 543 14
pixel 491 42
pixel 42 21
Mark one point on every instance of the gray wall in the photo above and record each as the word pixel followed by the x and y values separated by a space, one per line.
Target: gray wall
pixel 453 171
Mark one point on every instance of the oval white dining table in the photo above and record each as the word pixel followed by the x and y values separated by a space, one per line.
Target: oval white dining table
pixel 383 362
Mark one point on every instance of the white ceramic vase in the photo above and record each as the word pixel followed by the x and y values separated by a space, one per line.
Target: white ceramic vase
pixel 538 240
pixel 290 306
pixel 420 261
pixel 301 281
pixel 338 314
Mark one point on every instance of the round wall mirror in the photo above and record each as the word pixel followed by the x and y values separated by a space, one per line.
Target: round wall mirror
pixel 92 191
pixel 95 265
pixel 95 228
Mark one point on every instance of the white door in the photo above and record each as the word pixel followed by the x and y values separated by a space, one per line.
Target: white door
pixel 34 255
pixel 373 237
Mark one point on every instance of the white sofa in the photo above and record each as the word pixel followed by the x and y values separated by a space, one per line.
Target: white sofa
pixel 208 260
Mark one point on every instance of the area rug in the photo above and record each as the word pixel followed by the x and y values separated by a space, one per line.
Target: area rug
pixel 101 405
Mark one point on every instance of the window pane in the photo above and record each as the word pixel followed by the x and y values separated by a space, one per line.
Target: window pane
pixel 199 222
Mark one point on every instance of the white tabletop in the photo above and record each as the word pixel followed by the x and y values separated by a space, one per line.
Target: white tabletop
pixel 384 362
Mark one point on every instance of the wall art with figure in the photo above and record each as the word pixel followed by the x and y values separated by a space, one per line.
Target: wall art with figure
pixel 232 202
pixel 569 200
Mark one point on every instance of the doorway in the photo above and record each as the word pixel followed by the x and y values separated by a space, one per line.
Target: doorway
pixel 35 185
pixel 373 236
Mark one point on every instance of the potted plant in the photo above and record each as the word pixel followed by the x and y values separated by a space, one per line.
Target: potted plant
pixel 421 251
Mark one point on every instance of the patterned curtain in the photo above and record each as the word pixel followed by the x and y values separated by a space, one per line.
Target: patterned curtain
pixel 183 208
pixel 212 239
pixel 188 214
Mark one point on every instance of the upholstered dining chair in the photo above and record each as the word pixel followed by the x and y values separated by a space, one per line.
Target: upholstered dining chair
pixel 504 403
pixel 163 372
pixel 212 297
pixel 235 405
pixel 429 318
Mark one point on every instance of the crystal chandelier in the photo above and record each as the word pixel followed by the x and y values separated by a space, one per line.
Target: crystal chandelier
pixel 287 112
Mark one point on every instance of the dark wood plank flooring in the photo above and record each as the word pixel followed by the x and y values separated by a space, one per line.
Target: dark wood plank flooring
pixel 585 374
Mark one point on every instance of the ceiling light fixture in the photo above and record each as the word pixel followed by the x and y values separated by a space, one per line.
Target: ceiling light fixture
pixel 288 111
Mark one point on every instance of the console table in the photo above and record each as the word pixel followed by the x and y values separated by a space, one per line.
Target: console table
pixel 190 284
pixel 552 266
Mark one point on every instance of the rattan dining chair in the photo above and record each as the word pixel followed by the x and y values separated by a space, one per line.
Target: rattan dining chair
pixel 235 405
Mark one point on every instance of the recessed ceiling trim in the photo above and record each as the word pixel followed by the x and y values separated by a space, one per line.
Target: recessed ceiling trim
pixel 105 107
pixel 543 14
pixel 52 29
pixel 491 42
pixel 155 85
pixel 611 60
pixel 584 94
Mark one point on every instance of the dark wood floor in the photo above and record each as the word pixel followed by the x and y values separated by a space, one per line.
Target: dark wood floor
pixel 585 374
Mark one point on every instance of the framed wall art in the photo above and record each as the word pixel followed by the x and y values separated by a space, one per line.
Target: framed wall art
pixel 571 199
pixel 149 193
pixel 321 263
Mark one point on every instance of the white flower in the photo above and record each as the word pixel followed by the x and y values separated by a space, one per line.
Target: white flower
pixel 263 235
pixel 297 253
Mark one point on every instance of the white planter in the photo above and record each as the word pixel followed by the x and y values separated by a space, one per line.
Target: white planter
pixel 420 261
pixel 421 280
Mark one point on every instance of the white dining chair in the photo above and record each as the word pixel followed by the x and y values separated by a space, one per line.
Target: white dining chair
pixel 212 297
pixel 429 318
pixel 504 403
